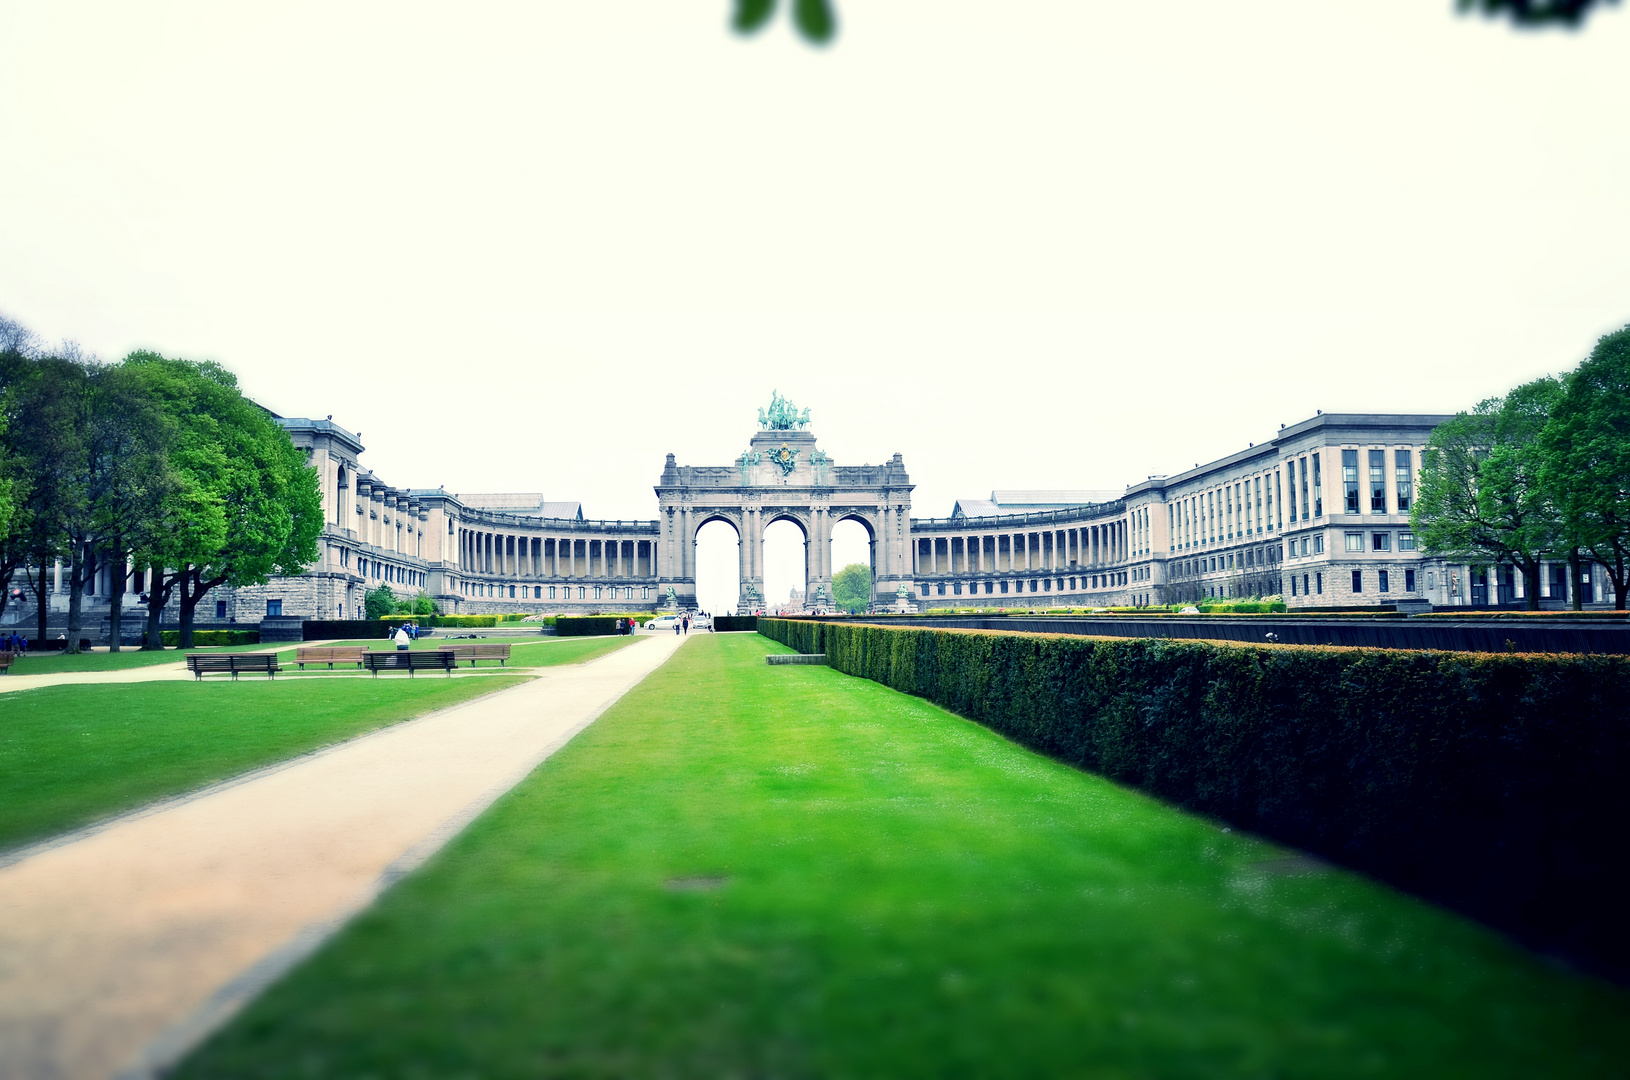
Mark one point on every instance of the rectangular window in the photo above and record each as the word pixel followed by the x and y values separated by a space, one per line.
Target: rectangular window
pixel 274 609
pixel 1378 481
pixel 582 592
pixel 1306 545
pixel 512 592
pixel 1318 544
pixel 1380 541
pixel 1382 586
pixel 1406 484
pixel 1318 583
pixel 1409 581
pixel 1358 581
pixel 551 592
pixel 1318 490
pixel 597 592
pixel 1355 541
pixel 1293 585
pixel 220 609
pixel 1305 504
pixel 1290 467
pixel 1004 586
pixel 1259 504
pixel 1406 542
pixel 1349 479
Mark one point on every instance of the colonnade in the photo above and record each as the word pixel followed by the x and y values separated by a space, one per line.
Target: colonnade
pixel 1074 549
pixel 516 555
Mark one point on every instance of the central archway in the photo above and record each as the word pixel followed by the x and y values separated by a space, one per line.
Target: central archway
pixel 718 566
pixel 786 564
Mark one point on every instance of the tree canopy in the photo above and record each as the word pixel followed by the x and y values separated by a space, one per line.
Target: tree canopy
pixel 159 462
pixel 1541 473
pixel 852 587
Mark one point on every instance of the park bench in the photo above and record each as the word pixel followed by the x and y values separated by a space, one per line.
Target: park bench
pixel 472 653
pixel 6 659
pixel 330 655
pixel 201 664
pixel 408 661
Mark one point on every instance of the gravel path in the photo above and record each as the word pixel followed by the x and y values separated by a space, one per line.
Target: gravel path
pixel 123 945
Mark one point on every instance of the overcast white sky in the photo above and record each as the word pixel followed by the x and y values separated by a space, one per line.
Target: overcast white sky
pixel 1062 244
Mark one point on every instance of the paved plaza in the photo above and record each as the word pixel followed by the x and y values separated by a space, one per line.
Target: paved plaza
pixel 123 944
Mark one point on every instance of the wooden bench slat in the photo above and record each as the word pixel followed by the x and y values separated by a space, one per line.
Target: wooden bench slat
pixel 202 663
pixel 407 660
pixel 472 653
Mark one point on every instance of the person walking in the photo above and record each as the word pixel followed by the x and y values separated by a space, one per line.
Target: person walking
pixel 401 639
pixel 685 622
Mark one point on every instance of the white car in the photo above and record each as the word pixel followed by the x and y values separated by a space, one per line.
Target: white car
pixel 701 622
pixel 663 622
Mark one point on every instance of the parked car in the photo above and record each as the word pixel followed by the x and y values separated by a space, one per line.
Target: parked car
pixel 663 622
pixel 1190 610
pixel 701 622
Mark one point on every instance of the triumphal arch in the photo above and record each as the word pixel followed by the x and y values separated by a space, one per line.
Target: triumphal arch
pixel 783 475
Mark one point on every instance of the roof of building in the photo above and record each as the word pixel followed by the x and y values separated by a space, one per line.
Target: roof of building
pixel 1034 499
pixel 526 503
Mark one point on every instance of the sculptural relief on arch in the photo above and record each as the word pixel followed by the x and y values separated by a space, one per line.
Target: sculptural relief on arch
pixel 783 475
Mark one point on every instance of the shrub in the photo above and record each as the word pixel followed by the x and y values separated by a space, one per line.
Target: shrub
pixel 727 623
pixel 379 602
pixel 201 638
pixel 1492 783
pixel 587 625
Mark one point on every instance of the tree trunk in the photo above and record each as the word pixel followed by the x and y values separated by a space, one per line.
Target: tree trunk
pixel 39 594
pixel 76 595
pixel 188 602
pixel 158 594
pixel 116 605
pixel 1574 580
pixel 1530 585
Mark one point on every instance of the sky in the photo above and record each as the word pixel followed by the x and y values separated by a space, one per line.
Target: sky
pixel 538 247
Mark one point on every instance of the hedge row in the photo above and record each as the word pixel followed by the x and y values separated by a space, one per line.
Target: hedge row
pixel 328 629
pixel 1491 783
pixel 588 625
pixel 394 621
pixel 727 623
pixel 201 638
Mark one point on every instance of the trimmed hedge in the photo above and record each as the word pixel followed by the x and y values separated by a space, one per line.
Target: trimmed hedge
pixel 587 625
pixel 201 638
pixel 326 629
pixel 1491 783
pixel 727 623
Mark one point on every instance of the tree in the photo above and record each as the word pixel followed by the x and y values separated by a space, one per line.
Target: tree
pixel 814 19
pixel 1534 12
pixel 1481 493
pixel 245 505
pixel 1587 458
pixel 378 603
pixel 852 587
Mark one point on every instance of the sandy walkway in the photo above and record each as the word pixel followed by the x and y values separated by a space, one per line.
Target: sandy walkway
pixel 121 946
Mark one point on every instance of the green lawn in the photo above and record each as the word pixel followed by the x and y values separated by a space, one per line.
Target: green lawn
pixel 525 653
pixel 70 755
pixel 752 871
pixel 574 650
pixel 50 663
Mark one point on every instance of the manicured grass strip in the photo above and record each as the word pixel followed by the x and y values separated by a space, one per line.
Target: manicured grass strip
pixel 751 871
pixel 71 755
pixel 51 663
pixel 528 653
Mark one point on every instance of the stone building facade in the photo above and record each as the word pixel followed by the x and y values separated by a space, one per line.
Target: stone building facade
pixel 1318 515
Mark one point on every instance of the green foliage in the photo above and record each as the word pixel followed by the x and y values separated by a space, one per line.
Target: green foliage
pixel 1481 494
pixel 1587 457
pixel 379 602
pixel 814 19
pixel 725 624
pixel 1534 12
pixel 852 587
pixel 1488 782
pixel 172 638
